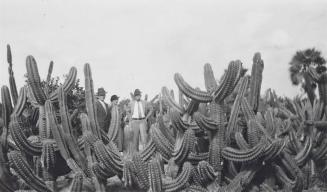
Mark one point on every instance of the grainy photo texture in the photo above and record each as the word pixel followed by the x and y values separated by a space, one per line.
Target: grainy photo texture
pixel 163 96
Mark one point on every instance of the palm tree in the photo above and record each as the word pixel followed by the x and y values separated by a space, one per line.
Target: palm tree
pixel 301 63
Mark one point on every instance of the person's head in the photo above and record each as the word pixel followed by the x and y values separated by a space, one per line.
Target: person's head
pixel 101 94
pixel 137 94
pixel 114 99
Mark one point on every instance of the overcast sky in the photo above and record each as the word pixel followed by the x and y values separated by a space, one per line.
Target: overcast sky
pixel 141 45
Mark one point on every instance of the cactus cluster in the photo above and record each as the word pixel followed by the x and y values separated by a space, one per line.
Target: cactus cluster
pixel 224 138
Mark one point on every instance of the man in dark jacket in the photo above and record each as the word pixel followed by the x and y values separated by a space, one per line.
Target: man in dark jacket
pixel 103 112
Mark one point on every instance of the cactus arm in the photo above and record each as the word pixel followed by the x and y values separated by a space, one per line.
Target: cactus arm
pixel 205 123
pixel 181 181
pixel 114 123
pixel 247 110
pixel 322 88
pixel 229 82
pixel 163 146
pixel 270 122
pixel 155 175
pixel 290 165
pixel 248 155
pixel 142 172
pixel 165 131
pixel 129 173
pixel 101 172
pixel 242 179
pixel 12 82
pixel 6 111
pixel 206 172
pixel 184 145
pixel 20 139
pixel 235 109
pixel 34 80
pixel 241 142
pixel 21 101
pixel 197 95
pixel 302 157
pixel 25 172
pixel 7 181
pixel 170 101
pixel 192 107
pixel 42 124
pixel 197 157
pixel 296 145
pixel 90 101
pixel 282 176
pixel 67 128
pixel 77 183
pixel 56 130
pixel 274 149
pixel 105 155
pixel 209 78
pixel 255 82
pixel 68 84
pixel 47 82
pixel 217 143
pixel 255 131
pixel 148 151
pixel 320 151
pixel 179 124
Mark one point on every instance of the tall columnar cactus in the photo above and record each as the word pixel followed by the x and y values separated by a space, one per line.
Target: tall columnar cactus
pixel 25 172
pixel 21 101
pixel 12 82
pixel 6 111
pixel 90 101
pixel 209 78
pixel 67 130
pixel 229 81
pixel 170 101
pixel 155 175
pixel 67 86
pixel 48 77
pixel 230 130
pixel 114 124
pixel 255 82
pixel 34 80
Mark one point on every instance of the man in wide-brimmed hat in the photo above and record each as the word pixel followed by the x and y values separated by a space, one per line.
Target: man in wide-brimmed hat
pixel 103 112
pixel 140 112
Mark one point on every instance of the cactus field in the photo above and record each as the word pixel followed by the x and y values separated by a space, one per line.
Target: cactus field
pixel 229 137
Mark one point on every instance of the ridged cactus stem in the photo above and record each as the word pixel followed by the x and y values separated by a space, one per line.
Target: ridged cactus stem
pixel 90 101
pixel 12 82
pixel 48 77
pixel 255 82
pixel 6 111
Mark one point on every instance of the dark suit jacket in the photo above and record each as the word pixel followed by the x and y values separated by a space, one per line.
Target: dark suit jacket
pixel 103 117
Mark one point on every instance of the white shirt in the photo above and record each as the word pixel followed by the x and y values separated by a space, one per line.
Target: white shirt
pixel 136 110
pixel 103 105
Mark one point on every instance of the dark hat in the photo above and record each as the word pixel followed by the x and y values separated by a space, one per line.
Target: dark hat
pixel 114 97
pixel 101 92
pixel 137 92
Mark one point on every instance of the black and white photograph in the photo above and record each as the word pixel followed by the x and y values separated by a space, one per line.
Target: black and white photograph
pixel 163 96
